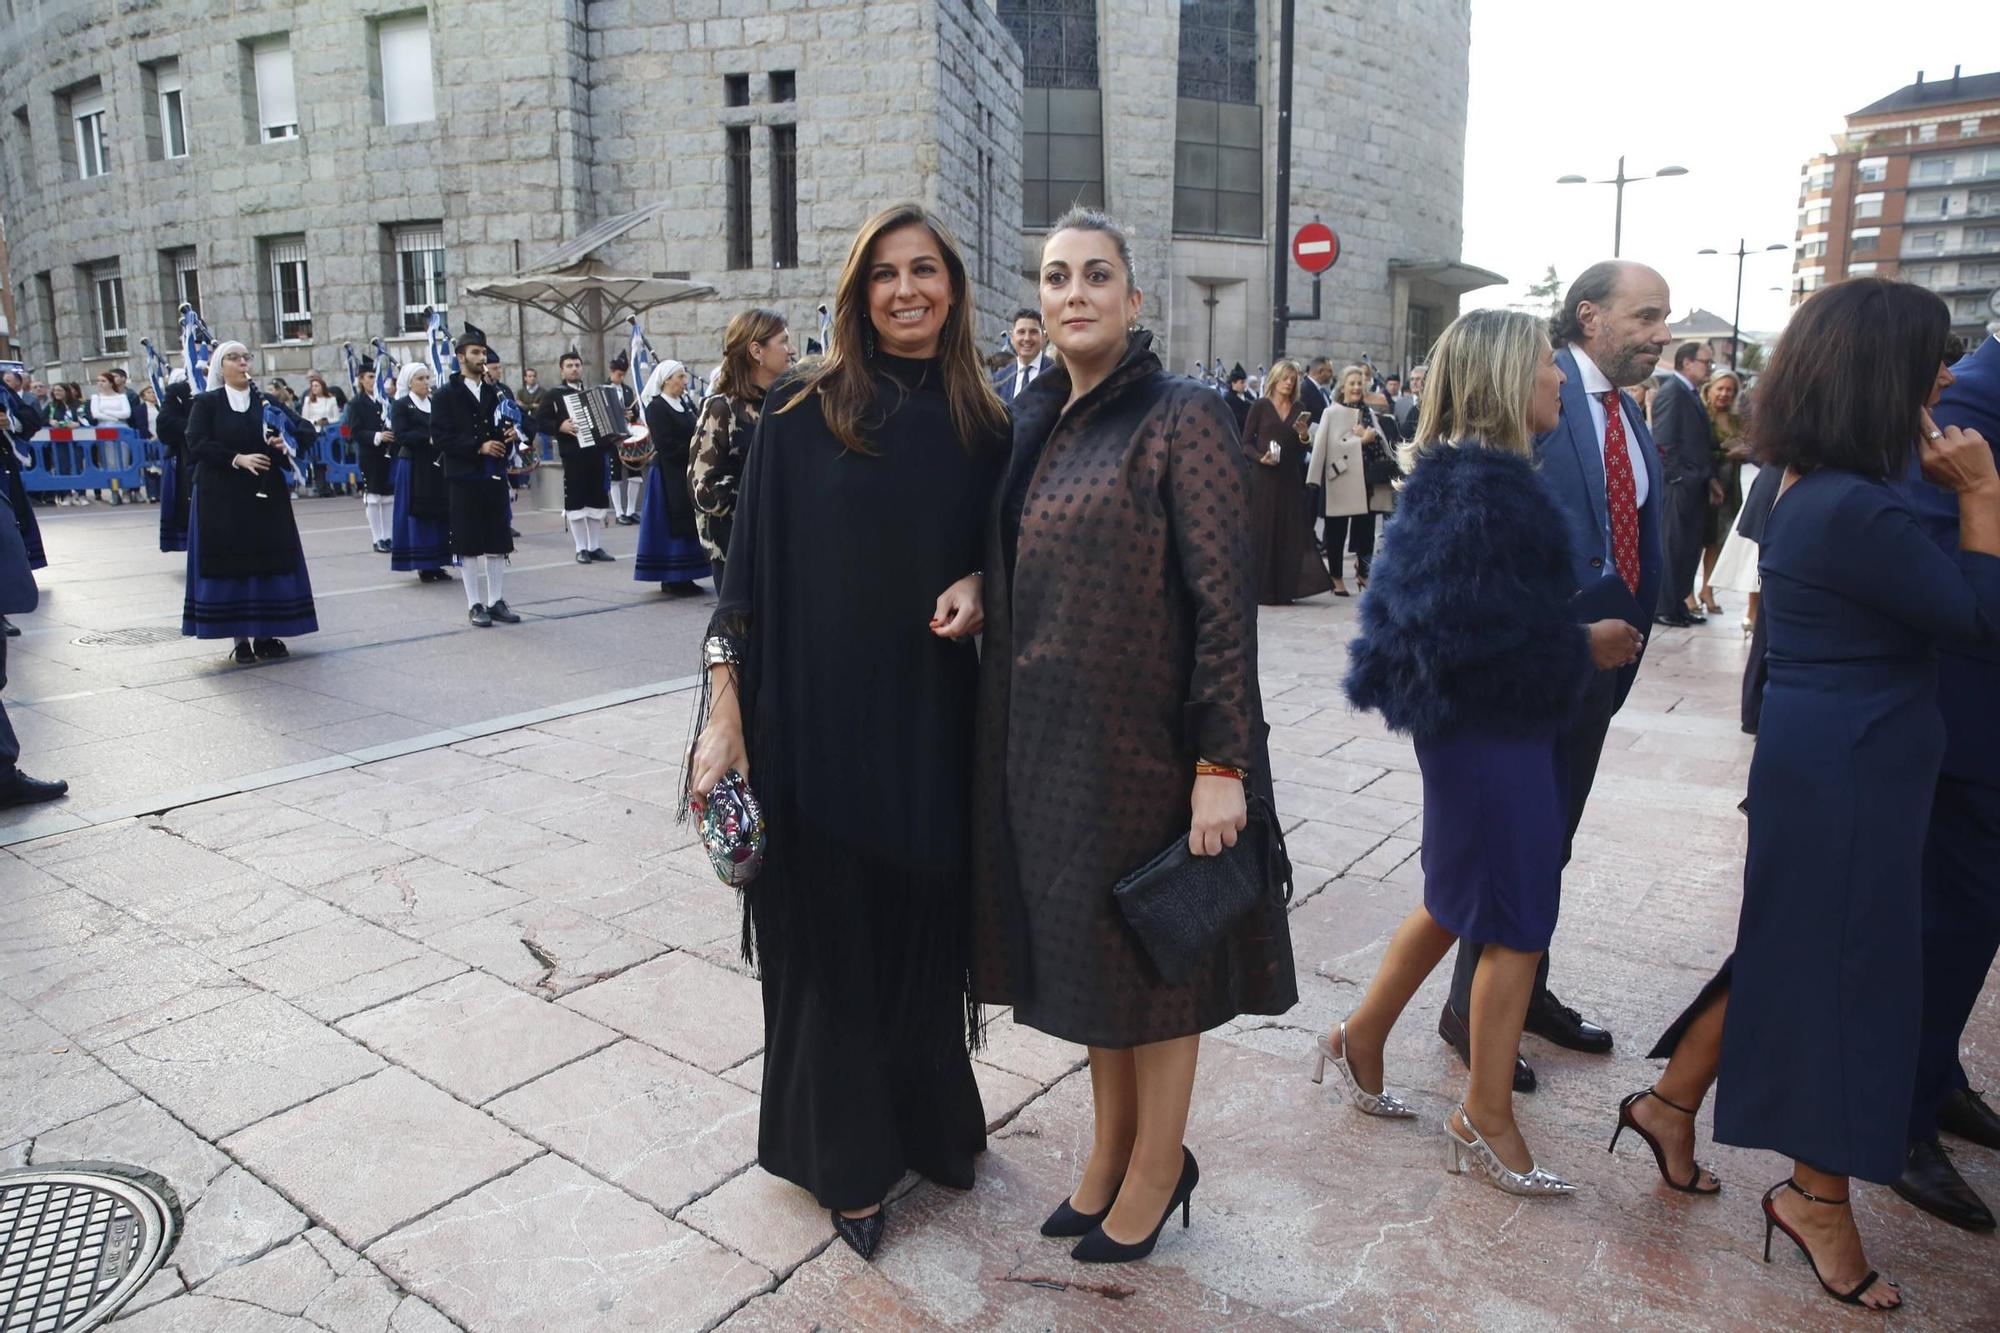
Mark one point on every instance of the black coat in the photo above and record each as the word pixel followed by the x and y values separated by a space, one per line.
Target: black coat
pixel 461 421
pixel 1683 432
pixel 243 522
pixel 1467 623
pixel 363 422
pixel 413 441
pixel 672 428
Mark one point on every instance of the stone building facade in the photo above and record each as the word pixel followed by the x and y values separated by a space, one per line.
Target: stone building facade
pixel 423 151
pixel 317 172
pixel 1186 94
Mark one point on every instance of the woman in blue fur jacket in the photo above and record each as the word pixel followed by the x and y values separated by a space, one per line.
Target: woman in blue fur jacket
pixel 1470 644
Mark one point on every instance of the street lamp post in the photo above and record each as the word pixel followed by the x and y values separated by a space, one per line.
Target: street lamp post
pixel 1742 251
pixel 1621 180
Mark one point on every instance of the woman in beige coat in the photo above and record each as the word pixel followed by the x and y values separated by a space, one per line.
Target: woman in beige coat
pixel 1335 467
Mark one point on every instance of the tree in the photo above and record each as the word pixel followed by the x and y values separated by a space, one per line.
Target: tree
pixel 1750 356
pixel 1546 293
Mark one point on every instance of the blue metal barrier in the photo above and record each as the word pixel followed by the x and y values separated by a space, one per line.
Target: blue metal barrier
pixel 88 458
pixel 338 457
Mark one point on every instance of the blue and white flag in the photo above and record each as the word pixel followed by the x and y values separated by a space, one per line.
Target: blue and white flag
pixel 353 368
pixel 641 356
pixel 825 329
pixel 196 343
pixel 444 362
pixel 277 419
pixel 387 375
pixel 156 369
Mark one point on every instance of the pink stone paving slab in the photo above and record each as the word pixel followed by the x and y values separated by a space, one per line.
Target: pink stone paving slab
pixel 691 1009
pixel 552 1247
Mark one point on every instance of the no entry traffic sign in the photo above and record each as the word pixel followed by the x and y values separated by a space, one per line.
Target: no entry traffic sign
pixel 1315 247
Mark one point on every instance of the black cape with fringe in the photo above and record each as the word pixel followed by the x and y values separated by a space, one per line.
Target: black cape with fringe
pixel 859 725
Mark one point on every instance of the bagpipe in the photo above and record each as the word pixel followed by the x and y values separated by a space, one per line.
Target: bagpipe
pixel 289 450
pixel 519 438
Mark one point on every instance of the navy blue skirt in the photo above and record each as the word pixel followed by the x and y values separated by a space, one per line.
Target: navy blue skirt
pixel 1495 816
pixel 415 543
pixel 253 606
pixel 31 530
pixel 663 557
pixel 173 526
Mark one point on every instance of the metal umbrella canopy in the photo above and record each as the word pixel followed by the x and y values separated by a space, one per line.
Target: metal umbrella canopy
pixel 591 298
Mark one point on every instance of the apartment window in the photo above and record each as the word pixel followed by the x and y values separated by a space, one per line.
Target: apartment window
pixel 1861 270
pixel 1924 276
pixel 181 281
pixel 1968 127
pixel 45 311
pixel 1869 171
pixel 736 90
pixel 24 138
pixel 1062 143
pixel 1982 238
pixel 1821 177
pixel 1862 240
pixel 1813 249
pixel 290 287
pixel 1934 169
pixel 784 85
pixel 277 101
pixel 1923 242
pixel 404 45
pixel 737 163
pixel 1815 215
pixel 419 251
pixel 1927 133
pixel 1811 279
pixel 107 290
pixel 93 149
pixel 1219 168
pixel 784 196
pixel 1866 206
pixel 166 111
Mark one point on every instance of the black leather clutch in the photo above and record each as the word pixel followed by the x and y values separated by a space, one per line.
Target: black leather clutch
pixel 1181 905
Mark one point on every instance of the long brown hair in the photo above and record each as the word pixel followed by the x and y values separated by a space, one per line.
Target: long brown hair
pixel 737 377
pixel 843 380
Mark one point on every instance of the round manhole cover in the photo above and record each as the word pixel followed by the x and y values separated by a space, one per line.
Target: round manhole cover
pixel 77 1239
pixel 130 638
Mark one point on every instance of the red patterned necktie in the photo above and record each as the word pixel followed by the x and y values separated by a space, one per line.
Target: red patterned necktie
pixel 1621 493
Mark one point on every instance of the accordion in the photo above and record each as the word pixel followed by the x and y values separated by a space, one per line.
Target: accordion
pixel 599 415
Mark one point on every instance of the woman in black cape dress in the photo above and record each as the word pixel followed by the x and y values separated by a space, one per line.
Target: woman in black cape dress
pixel 858 721
pixel 1281 533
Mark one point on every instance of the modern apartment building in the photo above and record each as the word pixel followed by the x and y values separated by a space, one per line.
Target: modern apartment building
pixel 1911 190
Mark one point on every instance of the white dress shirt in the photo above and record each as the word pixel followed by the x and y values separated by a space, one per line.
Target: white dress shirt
pixel 1025 373
pixel 239 399
pixel 1595 385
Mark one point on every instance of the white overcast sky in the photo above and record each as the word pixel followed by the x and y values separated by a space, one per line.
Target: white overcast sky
pixel 1739 93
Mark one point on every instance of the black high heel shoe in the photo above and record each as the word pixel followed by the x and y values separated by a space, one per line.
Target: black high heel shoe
pixel 1098 1248
pixel 862 1234
pixel 1773 1222
pixel 1066 1221
pixel 1625 1122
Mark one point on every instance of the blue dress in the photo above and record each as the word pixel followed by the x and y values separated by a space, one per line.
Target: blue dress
pixel 1820 1042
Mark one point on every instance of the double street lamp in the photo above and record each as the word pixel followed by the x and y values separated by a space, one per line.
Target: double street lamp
pixel 1742 251
pixel 1621 180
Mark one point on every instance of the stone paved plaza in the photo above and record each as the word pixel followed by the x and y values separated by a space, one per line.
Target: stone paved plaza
pixel 393 960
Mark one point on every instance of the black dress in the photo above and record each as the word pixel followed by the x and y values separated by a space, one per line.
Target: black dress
pixel 1281 534
pixel 481 499
pixel 246 571
pixel 859 726
pixel 176 473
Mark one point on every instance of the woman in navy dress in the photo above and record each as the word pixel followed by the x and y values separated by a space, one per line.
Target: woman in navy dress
pixel 1470 643
pixel 670 552
pixel 420 525
pixel 1809 1033
pixel 246 572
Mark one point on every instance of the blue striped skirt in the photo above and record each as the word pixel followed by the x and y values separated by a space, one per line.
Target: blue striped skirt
pixel 252 606
pixel 415 543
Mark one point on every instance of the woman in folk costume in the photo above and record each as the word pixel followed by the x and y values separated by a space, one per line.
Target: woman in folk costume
pixel 842 675
pixel 420 527
pixel 669 548
pixel 246 571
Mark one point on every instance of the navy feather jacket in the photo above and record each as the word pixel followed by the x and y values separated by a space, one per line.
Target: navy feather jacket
pixel 1467 623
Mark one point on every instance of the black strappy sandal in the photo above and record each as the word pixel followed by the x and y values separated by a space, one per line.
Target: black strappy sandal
pixel 1773 1221
pixel 1625 1122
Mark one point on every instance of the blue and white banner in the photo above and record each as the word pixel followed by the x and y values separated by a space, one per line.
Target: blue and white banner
pixel 196 343
pixel 444 362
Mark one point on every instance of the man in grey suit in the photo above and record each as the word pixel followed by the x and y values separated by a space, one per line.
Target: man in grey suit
pixel 1011 381
pixel 17 595
pixel 1602 468
pixel 1686 437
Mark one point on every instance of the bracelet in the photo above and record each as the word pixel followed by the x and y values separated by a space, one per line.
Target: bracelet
pixel 1204 769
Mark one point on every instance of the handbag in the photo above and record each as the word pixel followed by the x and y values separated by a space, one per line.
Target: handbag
pixel 1181 905
pixel 732 831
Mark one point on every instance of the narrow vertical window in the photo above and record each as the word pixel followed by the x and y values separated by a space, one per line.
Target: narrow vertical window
pixel 93 153
pixel 45 310
pixel 172 110
pixel 784 196
pixel 407 93
pixel 186 285
pixel 291 288
pixel 419 272
pixel 738 185
pixel 277 102
pixel 108 301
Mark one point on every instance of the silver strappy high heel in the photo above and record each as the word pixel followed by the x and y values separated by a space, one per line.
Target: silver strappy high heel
pixel 1383 1103
pixel 1536 1184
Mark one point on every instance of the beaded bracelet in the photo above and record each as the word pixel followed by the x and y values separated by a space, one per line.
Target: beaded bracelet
pixel 1204 769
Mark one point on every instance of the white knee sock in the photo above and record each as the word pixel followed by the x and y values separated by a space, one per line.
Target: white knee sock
pixel 475 565
pixel 379 518
pixel 593 533
pixel 634 488
pixel 495 565
pixel 579 532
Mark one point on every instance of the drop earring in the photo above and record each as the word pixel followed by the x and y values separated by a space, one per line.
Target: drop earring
pixel 868 341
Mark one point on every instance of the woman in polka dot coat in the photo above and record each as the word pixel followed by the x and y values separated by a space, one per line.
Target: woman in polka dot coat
pixel 1120 654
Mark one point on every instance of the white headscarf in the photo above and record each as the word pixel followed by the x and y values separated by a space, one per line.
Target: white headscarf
pixel 219 351
pixel 408 376
pixel 656 381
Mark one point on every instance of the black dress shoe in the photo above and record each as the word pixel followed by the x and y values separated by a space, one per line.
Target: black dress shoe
pixel 862 1234
pixel 1067 1221
pixel 1930 1182
pixel 1697 617
pixel 1453 1029
pixel 681 589
pixel 503 613
pixel 382 548
pixel 480 616
pixel 9 628
pixel 17 788
pixel 1552 1020
pixel 583 557
pixel 601 554
pixel 269 650
pixel 1681 621
pixel 1966 1114
pixel 243 654
pixel 1098 1248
